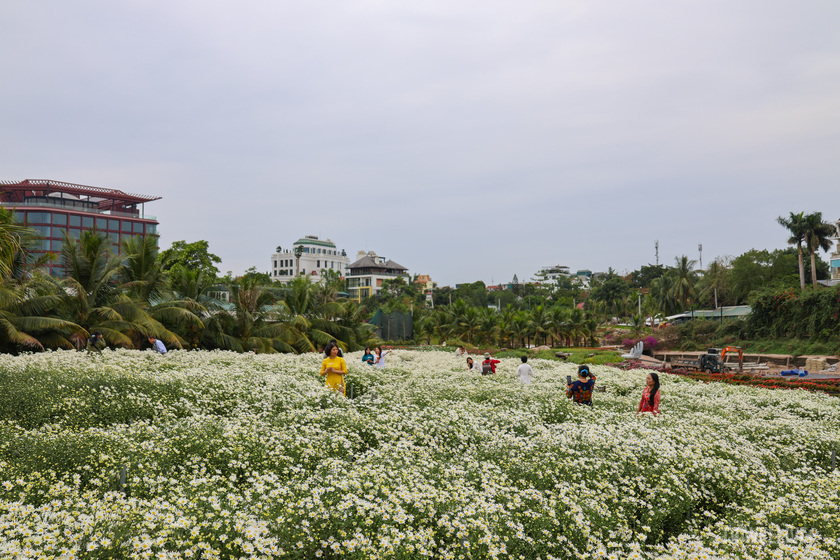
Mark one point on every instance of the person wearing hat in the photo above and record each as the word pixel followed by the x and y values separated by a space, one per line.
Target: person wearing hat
pixel 488 366
pixel 95 343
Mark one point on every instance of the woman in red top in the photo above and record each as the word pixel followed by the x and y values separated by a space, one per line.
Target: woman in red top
pixel 650 396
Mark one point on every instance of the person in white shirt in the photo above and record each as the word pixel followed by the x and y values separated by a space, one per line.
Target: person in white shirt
pixel 379 357
pixel 524 371
pixel 461 351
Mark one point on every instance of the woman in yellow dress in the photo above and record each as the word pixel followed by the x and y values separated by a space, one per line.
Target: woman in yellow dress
pixel 334 368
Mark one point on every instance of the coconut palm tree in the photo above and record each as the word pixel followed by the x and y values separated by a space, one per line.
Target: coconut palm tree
pixel 25 321
pixel 541 323
pixel 92 299
pixel 817 234
pixel 558 318
pixel 795 224
pixel 684 279
pixel 577 326
pixel 144 279
pixel 489 330
pixel 469 324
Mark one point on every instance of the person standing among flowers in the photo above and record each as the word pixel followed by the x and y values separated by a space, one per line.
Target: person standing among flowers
pixel 379 360
pixel 650 396
pixel 524 371
pixel 334 368
pixel 488 366
pixel 368 357
pixel 581 390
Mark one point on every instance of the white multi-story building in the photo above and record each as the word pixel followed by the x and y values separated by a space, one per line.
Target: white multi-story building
pixel 551 273
pixel 366 275
pixel 310 257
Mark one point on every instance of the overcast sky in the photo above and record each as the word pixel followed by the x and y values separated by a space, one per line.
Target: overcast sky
pixel 468 140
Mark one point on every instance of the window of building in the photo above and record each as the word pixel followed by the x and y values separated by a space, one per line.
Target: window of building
pixel 138 227
pixel 126 226
pixel 318 263
pixel 87 222
pixel 115 238
pixel 75 221
pixel 58 232
pixel 57 245
pixel 114 225
pixel 38 217
pixel 43 231
pixel 60 219
pixel 101 224
pixel 74 233
pixel 20 217
pixel 151 228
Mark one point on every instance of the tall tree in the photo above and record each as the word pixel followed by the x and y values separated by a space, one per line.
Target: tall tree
pixel 795 224
pixel 192 256
pixel 817 235
pixel 684 279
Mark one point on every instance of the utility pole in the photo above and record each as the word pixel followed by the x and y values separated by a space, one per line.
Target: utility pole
pixel 700 248
pixel 656 245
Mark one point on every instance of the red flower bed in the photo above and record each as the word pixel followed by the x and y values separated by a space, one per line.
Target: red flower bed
pixel 830 386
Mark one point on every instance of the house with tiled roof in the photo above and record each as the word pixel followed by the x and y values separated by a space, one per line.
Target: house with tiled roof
pixel 366 275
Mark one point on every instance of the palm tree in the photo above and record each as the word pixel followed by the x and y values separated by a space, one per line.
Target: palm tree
pixel 25 321
pixel 10 241
pixel 92 299
pixel 559 320
pixel 540 321
pixel 795 224
pixel 142 269
pixel 519 327
pixel 684 280
pixel 662 290
pixel 577 326
pixel 817 235
pixel 469 323
pixel 489 325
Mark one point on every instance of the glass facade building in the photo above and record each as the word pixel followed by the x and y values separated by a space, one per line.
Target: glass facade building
pixel 59 210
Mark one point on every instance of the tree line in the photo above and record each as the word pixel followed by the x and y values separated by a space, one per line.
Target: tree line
pixel 176 295
pixel 173 295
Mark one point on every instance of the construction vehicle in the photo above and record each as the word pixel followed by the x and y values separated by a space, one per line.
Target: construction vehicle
pixel 732 350
pixel 710 362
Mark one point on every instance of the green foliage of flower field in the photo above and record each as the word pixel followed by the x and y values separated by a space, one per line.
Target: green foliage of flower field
pixel 221 455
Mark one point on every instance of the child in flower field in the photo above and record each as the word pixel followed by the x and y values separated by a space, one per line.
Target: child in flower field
pixel 650 396
pixel 334 368
pixel 581 390
pixel 368 357
pixel 379 358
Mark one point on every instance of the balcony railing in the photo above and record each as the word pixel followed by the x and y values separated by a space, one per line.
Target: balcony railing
pixel 72 208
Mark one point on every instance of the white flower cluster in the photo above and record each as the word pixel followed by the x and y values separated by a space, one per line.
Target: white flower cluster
pixel 221 455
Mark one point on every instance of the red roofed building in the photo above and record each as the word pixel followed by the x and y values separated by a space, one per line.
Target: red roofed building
pixel 55 208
